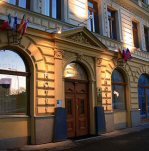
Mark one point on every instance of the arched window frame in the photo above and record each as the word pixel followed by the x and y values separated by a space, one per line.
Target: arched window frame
pixel 143 96
pixel 116 103
pixel 26 73
pixel 82 75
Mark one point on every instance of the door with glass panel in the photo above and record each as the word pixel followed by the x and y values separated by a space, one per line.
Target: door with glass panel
pixel 76 99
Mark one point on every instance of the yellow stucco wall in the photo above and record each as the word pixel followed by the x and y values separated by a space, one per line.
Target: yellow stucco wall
pixel 14 127
pixel 120 119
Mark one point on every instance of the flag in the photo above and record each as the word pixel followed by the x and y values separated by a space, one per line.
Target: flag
pixel 6 23
pixel 128 54
pixel 120 56
pixel 124 56
pixel 20 28
pixel 15 23
pixel 25 27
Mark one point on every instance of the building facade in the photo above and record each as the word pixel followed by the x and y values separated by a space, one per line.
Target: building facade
pixel 74 53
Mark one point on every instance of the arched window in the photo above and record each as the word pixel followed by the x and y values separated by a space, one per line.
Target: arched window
pixel 14 84
pixel 118 90
pixel 75 71
pixel 143 94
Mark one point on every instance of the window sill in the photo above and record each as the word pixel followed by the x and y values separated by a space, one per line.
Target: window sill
pixel 13 116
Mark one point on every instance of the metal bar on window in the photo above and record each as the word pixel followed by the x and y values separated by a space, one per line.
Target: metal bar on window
pixel 17 73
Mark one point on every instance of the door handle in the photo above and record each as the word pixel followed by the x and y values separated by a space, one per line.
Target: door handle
pixel 77 107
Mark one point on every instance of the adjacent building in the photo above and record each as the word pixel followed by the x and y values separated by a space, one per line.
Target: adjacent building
pixel 74 52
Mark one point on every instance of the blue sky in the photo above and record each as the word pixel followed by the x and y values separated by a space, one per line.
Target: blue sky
pixel 10 60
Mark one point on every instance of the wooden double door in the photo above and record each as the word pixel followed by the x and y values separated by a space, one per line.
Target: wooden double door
pixel 76 102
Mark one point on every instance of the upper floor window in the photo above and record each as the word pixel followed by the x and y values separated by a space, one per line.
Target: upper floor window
pixel 118 90
pixel 146 34
pixel 14 83
pixel 93 12
pixel 53 8
pixel 112 23
pixel 135 34
pixel 20 3
pixel 143 94
pixel 144 1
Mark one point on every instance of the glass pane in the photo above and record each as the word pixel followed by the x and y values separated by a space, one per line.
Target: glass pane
pixel 13 95
pixel 12 2
pixel 22 3
pixel 109 13
pixel 69 106
pixel 82 106
pixel 10 60
pixel 147 102
pixel 118 97
pixel 47 7
pixel 54 8
pixel 144 80
pixel 75 71
pixel 117 76
pixel 90 4
pixel 142 102
pixel 134 25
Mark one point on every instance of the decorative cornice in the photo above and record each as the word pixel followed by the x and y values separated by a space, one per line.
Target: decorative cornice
pixel 133 7
pixel 98 62
pixel 79 38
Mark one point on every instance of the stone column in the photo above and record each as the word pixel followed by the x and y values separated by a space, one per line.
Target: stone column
pixel 59 89
pixel 92 100
pixel 98 79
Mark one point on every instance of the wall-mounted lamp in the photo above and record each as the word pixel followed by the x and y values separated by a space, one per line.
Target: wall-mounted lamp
pixel 89 17
pixel 54 30
pixel 59 30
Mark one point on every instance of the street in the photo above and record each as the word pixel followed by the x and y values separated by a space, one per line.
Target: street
pixel 138 141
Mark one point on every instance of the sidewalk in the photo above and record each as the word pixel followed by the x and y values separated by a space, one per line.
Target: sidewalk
pixel 69 143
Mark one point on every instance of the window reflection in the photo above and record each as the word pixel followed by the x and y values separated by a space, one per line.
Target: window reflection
pixel 20 3
pixel 75 71
pixel 53 8
pixel 10 60
pixel 118 90
pixel 14 82
pixel 12 2
pixel 143 94
pixel 13 94
pixel 93 23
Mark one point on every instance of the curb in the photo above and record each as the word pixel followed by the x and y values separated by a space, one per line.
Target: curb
pixel 70 144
